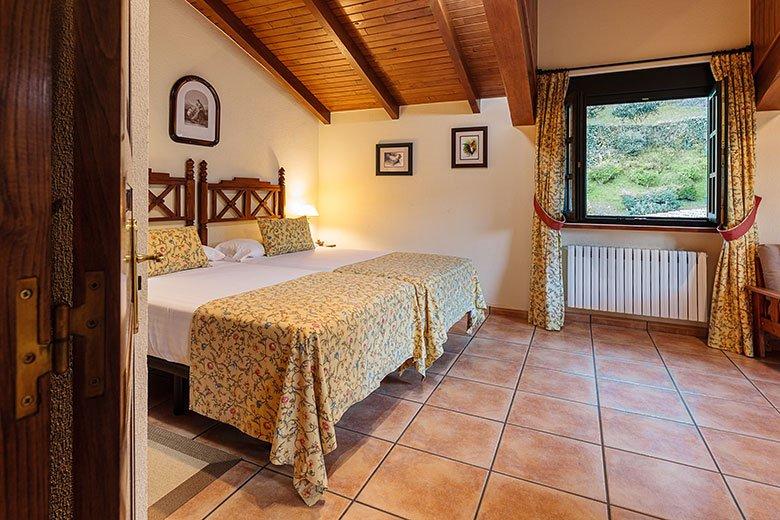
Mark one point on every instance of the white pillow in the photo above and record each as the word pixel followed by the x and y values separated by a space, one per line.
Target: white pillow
pixel 238 249
pixel 213 254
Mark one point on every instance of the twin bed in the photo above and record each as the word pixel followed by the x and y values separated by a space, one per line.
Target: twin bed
pixel 281 346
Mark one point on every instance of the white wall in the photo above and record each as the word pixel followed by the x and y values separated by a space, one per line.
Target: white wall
pixel 486 214
pixel 139 121
pixel 768 175
pixel 262 127
pixel 575 33
pixel 479 213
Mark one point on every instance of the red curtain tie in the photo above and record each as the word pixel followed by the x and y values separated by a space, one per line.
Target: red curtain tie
pixel 743 227
pixel 545 217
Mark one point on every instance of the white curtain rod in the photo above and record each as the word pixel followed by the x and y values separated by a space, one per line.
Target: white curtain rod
pixel 649 63
pixel 667 62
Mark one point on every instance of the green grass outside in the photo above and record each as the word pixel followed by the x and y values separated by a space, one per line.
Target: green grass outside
pixel 606 198
pixel 679 172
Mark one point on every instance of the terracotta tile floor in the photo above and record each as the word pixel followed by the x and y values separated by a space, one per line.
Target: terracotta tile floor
pixel 592 422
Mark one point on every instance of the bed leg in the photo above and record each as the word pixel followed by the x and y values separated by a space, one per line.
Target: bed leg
pixel 181 395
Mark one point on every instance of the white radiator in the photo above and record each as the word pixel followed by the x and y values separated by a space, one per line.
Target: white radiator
pixel 647 282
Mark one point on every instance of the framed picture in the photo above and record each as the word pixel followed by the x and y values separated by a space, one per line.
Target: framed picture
pixel 470 147
pixel 194 113
pixel 394 159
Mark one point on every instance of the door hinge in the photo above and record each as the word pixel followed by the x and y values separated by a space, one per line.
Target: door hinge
pixel 35 358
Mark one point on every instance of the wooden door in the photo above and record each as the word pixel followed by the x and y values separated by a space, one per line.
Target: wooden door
pixel 25 216
pixel 33 338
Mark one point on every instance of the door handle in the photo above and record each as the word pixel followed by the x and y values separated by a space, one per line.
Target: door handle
pixel 134 259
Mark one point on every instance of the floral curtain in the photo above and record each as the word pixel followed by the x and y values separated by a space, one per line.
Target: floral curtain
pixel 730 315
pixel 546 305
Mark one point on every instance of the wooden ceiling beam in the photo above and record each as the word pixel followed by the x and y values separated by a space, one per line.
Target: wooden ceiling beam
pixel 767 80
pixel 512 25
pixel 232 25
pixel 353 54
pixel 765 36
pixel 456 53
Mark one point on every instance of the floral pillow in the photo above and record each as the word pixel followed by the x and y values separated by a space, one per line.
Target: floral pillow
pixel 180 249
pixel 285 235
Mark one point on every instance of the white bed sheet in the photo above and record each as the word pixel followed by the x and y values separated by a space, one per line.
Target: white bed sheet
pixel 173 299
pixel 319 259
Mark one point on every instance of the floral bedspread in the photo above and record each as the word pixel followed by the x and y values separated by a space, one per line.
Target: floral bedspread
pixel 283 363
pixel 447 287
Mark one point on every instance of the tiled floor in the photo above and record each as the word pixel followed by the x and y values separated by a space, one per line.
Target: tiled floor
pixel 591 422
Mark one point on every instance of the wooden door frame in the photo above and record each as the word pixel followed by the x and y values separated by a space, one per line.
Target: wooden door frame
pixel 98 422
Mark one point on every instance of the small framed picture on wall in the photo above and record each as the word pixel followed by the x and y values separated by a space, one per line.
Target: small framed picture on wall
pixel 194 112
pixel 470 147
pixel 394 159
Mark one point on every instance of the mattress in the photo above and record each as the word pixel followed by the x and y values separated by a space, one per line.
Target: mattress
pixel 319 259
pixel 173 299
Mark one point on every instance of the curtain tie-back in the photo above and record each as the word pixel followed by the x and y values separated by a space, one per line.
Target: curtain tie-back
pixel 738 231
pixel 549 221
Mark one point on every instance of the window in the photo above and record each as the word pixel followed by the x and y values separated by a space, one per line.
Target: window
pixel 644 148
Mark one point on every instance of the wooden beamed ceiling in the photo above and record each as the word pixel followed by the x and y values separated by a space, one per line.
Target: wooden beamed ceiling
pixel 335 55
pixel 442 18
pixel 513 24
pixel 353 54
pixel 237 29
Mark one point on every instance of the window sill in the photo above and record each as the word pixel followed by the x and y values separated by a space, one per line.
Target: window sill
pixel 640 227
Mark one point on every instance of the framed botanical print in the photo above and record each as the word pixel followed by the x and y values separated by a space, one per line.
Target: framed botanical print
pixel 470 147
pixel 394 159
pixel 194 112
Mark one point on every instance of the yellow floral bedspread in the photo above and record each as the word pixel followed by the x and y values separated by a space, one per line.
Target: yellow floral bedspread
pixel 447 287
pixel 283 363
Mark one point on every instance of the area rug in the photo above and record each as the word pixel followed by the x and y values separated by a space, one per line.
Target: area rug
pixel 179 469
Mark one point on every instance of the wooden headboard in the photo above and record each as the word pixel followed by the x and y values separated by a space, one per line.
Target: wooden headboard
pixel 176 201
pixel 241 198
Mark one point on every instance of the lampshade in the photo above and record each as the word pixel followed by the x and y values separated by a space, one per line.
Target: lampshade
pixel 309 210
pixel 303 210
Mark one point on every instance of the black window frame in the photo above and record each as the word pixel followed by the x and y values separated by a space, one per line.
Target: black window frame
pixel 654 84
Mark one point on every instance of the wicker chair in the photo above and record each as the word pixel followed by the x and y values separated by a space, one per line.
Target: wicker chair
pixel 766 309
